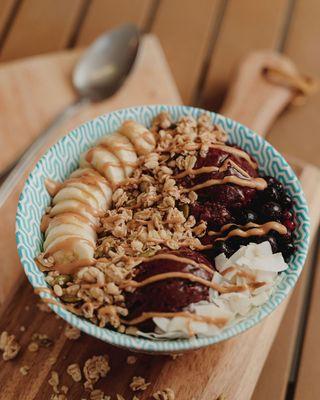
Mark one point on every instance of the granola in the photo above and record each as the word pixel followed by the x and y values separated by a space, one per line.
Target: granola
pixel 179 192
pixel 95 368
pixel 139 383
pixel 166 394
pixel 9 346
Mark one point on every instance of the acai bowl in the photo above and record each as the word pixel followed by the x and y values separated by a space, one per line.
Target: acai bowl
pixel 231 222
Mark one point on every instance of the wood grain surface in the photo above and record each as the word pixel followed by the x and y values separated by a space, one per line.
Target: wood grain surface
pixel 185 32
pixel 241 358
pixel 298 122
pixel 239 35
pixel 99 18
pixel 41 26
pixel 226 31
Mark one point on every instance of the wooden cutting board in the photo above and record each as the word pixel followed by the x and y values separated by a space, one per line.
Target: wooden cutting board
pixel 32 91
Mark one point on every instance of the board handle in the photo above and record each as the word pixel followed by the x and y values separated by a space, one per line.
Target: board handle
pixel 253 99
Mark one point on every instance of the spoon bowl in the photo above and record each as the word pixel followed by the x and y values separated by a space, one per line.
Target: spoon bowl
pixel 99 73
pixel 103 68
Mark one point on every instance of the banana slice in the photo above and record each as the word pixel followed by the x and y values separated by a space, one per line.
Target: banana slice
pixel 70 219
pixel 73 206
pixel 123 149
pixel 142 139
pixel 76 249
pixel 69 230
pixel 73 193
pixel 96 179
pixel 92 192
pixel 106 163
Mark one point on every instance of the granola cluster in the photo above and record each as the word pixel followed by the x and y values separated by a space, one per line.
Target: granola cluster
pixel 9 346
pixel 150 212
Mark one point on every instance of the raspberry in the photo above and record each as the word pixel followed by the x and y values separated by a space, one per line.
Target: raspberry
pixel 215 214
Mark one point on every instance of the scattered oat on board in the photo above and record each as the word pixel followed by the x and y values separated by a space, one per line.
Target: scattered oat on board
pixel 72 333
pixel 9 346
pixel 52 360
pixel 98 394
pixel 24 370
pixel 165 394
pixel 175 356
pixel 131 360
pixel 139 383
pixel 22 328
pixel 33 347
pixel 119 397
pixel 42 339
pixel 54 381
pixel 95 368
pixel 58 396
pixel 75 372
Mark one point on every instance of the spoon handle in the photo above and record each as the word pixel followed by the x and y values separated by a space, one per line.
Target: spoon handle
pixel 13 173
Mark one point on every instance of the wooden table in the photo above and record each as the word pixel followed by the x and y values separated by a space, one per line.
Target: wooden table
pixel 203 41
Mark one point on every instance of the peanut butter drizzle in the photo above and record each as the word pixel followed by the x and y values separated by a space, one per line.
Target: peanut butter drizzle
pixel 220 322
pixel 228 162
pixel 71 210
pixel 114 147
pixel 81 206
pixel 254 183
pixel 243 274
pixel 63 218
pixel 45 221
pixel 187 276
pixel 44 289
pixel 74 266
pixel 236 152
pixel 52 186
pixel 256 231
pixel 202 170
pixel 86 191
pixel 173 257
pixel 145 135
pixel 227 226
pixel 67 244
pixel 90 180
pixel 52 301
pixel 208 169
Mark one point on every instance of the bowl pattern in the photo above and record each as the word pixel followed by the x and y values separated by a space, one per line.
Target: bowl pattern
pixel 62 158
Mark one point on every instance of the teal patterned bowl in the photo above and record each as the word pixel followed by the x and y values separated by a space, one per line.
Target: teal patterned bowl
pixel 62 158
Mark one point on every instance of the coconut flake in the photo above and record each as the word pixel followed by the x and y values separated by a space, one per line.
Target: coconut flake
pixel 254 259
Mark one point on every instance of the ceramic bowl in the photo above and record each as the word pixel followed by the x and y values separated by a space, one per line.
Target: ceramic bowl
pixel 62 158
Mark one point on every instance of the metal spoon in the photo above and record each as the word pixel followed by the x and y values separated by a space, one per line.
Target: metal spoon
pixel 99 73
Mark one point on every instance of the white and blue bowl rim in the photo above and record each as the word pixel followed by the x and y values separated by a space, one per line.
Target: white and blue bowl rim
pixel 62 158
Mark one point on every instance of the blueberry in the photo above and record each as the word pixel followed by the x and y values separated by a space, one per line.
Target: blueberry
pixel 273 182
pixel 287 251
pixel 246 216
pixel 271 193
pixel 219 247
pixel 286 201
pixel 235 242
pixel 273 242
pixel 271 211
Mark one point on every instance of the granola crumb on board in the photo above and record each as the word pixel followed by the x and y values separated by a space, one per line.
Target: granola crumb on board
pixel 9 346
